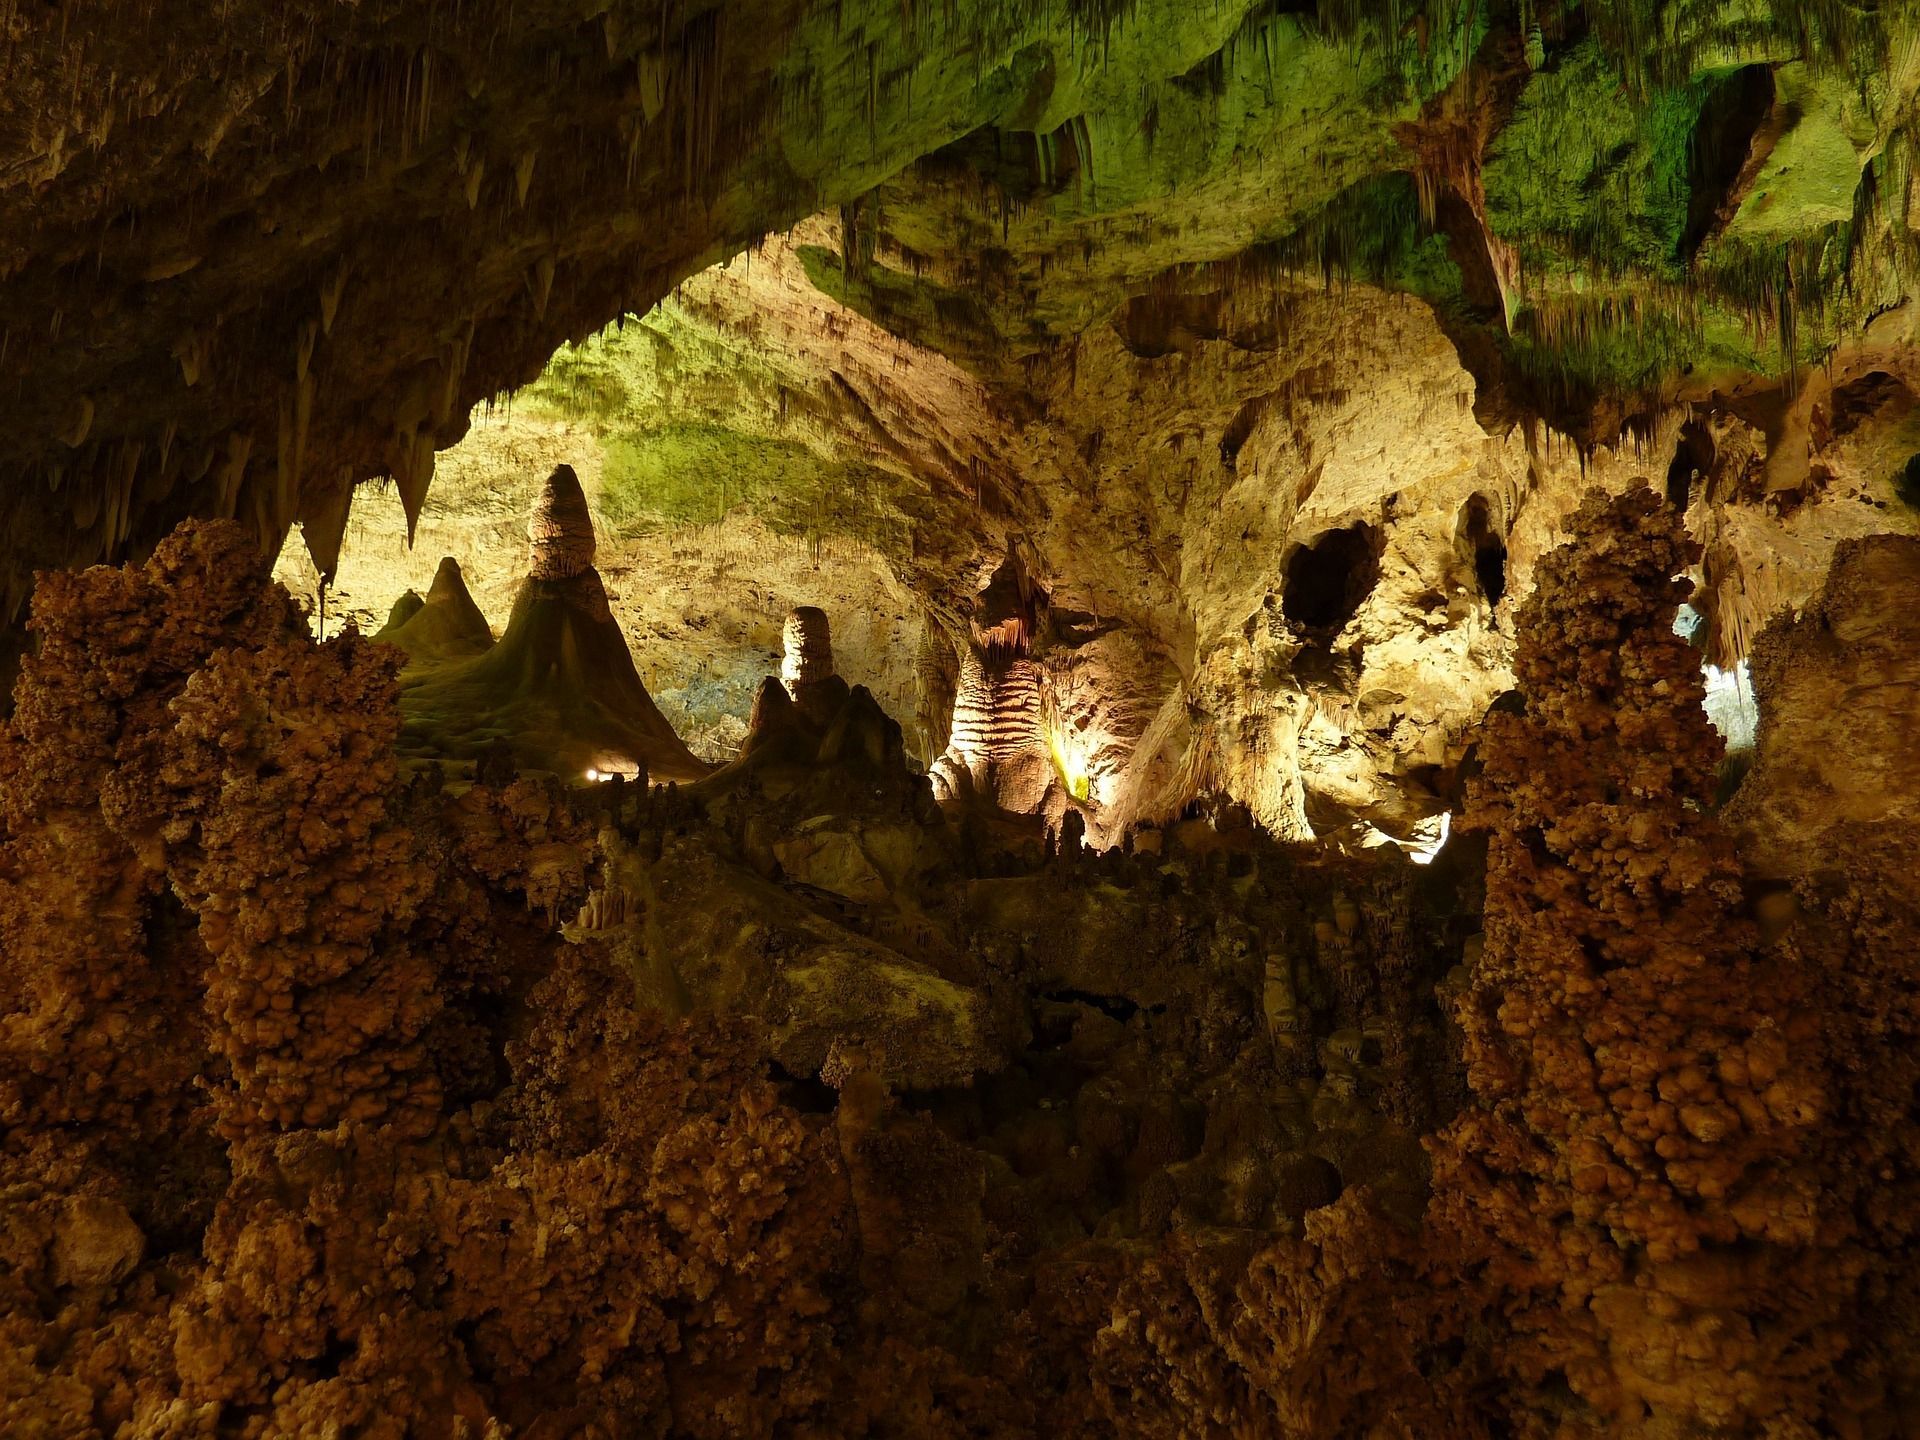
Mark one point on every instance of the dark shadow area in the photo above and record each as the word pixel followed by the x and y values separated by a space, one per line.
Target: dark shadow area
pixel 1489 550
pixel 1721 142
pixel 1329 579
pixel 1158 324
pixel 1858 401
pixel 1692 462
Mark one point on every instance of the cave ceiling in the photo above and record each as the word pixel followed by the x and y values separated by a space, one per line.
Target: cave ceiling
pixel 251 257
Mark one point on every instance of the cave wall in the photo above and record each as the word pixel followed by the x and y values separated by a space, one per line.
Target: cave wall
pixel 1167 473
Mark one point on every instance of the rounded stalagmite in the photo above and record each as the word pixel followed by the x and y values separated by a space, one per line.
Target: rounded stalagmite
pixel 809 650
pixel 560 531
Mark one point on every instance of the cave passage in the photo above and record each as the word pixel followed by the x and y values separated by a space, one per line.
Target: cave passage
pixel 1329 578
pixel 1489 551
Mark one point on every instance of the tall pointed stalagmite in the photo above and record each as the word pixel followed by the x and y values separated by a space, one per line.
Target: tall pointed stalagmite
pixel 560 688
pixel 560 541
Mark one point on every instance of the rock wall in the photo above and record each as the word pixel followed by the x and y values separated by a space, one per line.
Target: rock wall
pixel 1191 480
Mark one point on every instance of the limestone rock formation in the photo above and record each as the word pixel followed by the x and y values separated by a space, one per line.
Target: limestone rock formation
pixel 995 739
pixel 559 690
pixel 996 745
pixel 816 1082
pixel 1841 683
pixel 806 663
pixel 1247 926
pixel 560 541
pixel 1650 1082
pixel 444 625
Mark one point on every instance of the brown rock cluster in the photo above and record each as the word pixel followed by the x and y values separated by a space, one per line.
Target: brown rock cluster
pixel 262 1208
pixel 1637 1170
pixel 319 1117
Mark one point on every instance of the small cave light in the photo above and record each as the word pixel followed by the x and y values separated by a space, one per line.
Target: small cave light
pixel 1071 756
pixel 1432 839
pixel 608 770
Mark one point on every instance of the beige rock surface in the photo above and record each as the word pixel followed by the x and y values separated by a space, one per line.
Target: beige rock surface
pixel 1167 489
pixel 1839 695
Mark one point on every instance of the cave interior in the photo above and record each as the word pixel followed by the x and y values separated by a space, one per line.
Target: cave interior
pixel 1103 718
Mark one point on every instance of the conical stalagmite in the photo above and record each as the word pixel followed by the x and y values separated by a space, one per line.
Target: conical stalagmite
pixel 559 689
pixel 444 625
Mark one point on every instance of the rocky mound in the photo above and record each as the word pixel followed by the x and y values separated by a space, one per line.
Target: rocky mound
pixel 444 625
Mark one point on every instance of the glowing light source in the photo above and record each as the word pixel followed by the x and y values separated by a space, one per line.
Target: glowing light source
pixel 1432 840
pixel 1070 760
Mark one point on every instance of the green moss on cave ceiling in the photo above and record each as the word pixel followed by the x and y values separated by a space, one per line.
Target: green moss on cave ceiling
pixel 693 420
pixel 1641 251
pixel 1640 248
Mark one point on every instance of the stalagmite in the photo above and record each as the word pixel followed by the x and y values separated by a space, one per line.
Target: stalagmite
pixel 806 668
pixel 996 740
pixel 560 542
pixel 807 650
pixel 445 625
pixel 559 689
pixel 996 712
pixel 1306 968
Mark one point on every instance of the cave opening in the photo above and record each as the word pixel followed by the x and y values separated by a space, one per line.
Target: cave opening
pixel 1329 578
pixel 1692 462
pixel 1489 550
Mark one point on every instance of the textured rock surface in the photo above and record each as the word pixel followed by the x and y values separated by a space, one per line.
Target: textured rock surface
pixel 1650 1082
pixel 559 691
pixel 1171 495
pixel 1842 701
pixel 1205 424
pixel 827 1087
pixel 560 541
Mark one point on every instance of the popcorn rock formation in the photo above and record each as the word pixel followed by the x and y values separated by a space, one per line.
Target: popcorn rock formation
pixel 1245 928
pixel 341 1100
pixel 1650 1081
